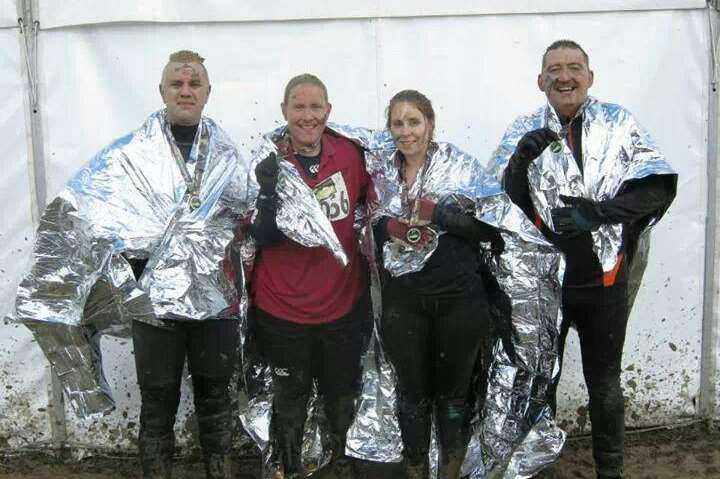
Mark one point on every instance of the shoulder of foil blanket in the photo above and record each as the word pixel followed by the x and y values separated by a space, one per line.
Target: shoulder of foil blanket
pixel 455 171
pixel 492 205
pixel 378 145
pixel 521 125
pixel 361 136
pixel 644 156
pixel 69 252
pixel 105 207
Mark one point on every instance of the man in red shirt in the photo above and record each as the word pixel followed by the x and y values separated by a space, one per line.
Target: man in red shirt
pixel 310 313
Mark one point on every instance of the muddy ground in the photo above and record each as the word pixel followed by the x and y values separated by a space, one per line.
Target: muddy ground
pixel 685 452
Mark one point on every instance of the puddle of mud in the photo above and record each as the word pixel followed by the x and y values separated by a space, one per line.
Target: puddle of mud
pixel 688 452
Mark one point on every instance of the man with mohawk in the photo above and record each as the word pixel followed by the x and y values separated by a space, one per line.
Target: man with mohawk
pixel 210 344
pixel 149 218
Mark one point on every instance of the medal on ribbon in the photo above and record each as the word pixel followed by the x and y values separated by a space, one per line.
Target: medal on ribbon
pixel 413 235
pixel 194 202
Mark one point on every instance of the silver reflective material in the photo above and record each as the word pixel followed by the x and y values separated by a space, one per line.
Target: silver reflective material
pixel 299 215
pixel 131 201
pixel 616 149
pixel 530 271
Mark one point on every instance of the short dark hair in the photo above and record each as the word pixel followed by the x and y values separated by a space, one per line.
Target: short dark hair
pixel 416 99
pixel 564 43
pixel 302 79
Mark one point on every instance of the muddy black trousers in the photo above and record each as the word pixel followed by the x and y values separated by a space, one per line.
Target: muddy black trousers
pixel 210 347
pixel 298 354
pixel 435 345
pixel 600 316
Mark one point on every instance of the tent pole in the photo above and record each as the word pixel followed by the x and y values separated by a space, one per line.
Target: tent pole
pixel 707 404
pixel 29 29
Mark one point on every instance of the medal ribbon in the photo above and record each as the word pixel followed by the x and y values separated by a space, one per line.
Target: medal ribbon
pixel 192 183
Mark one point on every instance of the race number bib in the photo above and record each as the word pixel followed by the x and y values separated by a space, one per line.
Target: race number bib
pixel 332 195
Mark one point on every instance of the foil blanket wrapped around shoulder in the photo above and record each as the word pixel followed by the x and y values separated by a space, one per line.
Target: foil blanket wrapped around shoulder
pixel 130 202
pixel 515 434
pixel 615 150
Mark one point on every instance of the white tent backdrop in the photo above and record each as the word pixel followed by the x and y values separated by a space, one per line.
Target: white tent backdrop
pixel 23 371
pixel 98 79
pixel 8 14
pixel 79 12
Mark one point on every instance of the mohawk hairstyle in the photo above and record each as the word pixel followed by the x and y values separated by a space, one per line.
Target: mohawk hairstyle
pixel 186 56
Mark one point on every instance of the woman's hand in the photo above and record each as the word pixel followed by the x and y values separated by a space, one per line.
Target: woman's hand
pixel 413 236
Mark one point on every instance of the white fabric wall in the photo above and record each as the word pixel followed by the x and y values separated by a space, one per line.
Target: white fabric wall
pixel 57 14
pixel 99 81
pixel 23 374
pixel 8 13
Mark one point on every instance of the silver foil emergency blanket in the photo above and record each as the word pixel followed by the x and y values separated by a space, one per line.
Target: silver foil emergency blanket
pixel 615 149
pixel 514 433
pixel 131 201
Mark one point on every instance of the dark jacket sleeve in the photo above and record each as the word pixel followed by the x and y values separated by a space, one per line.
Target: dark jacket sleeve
pixel 648 196
pixel 467 227
pixel 380 232
pixel 516 185
pixel 264 229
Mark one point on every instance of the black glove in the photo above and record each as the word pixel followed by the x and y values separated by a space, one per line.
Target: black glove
pixel 450 217
pixel 581 216
pixel 264 228
pixel 531 145
pixel 266 173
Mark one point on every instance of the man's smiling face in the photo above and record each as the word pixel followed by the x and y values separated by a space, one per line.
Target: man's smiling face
pixel 565 79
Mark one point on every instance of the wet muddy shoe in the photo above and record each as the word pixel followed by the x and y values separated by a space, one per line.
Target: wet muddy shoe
pixel 451 470
pixel 158 469
pixel 156 456
pixel 217 466
pixel 342 468
pixel 417 470
pixel 277 472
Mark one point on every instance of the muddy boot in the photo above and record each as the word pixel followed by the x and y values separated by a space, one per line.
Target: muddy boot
pixel 217 466
pixel 214 416
pixel 277 472
pixel 417 470
pixel 156 457
pixel 451 469
pixel 340 468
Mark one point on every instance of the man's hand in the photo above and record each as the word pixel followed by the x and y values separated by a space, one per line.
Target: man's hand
pixel 531 145
pixel 581 216
pixel 266 173
pixel 415 237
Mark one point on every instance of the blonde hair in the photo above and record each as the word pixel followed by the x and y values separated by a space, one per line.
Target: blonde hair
pixel 186 56
pixel 302 79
